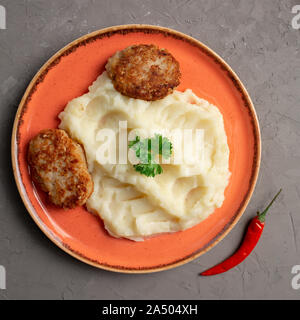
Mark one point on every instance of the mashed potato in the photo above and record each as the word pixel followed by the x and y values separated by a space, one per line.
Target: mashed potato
pixel 132 205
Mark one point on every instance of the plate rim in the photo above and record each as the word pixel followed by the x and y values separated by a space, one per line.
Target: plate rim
pixel 137 28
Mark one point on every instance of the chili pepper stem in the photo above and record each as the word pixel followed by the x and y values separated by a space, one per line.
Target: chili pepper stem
pixel 262 216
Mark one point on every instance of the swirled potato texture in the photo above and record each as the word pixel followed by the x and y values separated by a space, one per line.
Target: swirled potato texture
pixel 132 205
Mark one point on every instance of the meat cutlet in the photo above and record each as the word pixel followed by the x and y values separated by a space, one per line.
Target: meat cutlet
pixel 58 166
pixel 144 72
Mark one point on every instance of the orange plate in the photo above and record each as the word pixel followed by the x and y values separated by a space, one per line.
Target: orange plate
pixel 67 75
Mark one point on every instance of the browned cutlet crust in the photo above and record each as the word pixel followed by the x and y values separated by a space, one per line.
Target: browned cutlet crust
pixel 58 166
pixel 144 72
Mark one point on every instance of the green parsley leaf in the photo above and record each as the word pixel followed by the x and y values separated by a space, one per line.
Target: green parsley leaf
pixel 146 151
pixel 149 170
pixel 132 143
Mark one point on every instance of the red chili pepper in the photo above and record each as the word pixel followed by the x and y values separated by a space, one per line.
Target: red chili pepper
pixel 252 236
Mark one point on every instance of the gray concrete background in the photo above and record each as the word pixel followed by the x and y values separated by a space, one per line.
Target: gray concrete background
pixel 256 38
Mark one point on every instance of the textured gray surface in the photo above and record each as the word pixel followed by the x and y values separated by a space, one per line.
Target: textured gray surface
pixel 257 40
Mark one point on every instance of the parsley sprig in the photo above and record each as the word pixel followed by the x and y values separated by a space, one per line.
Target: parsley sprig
pixel 146 150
